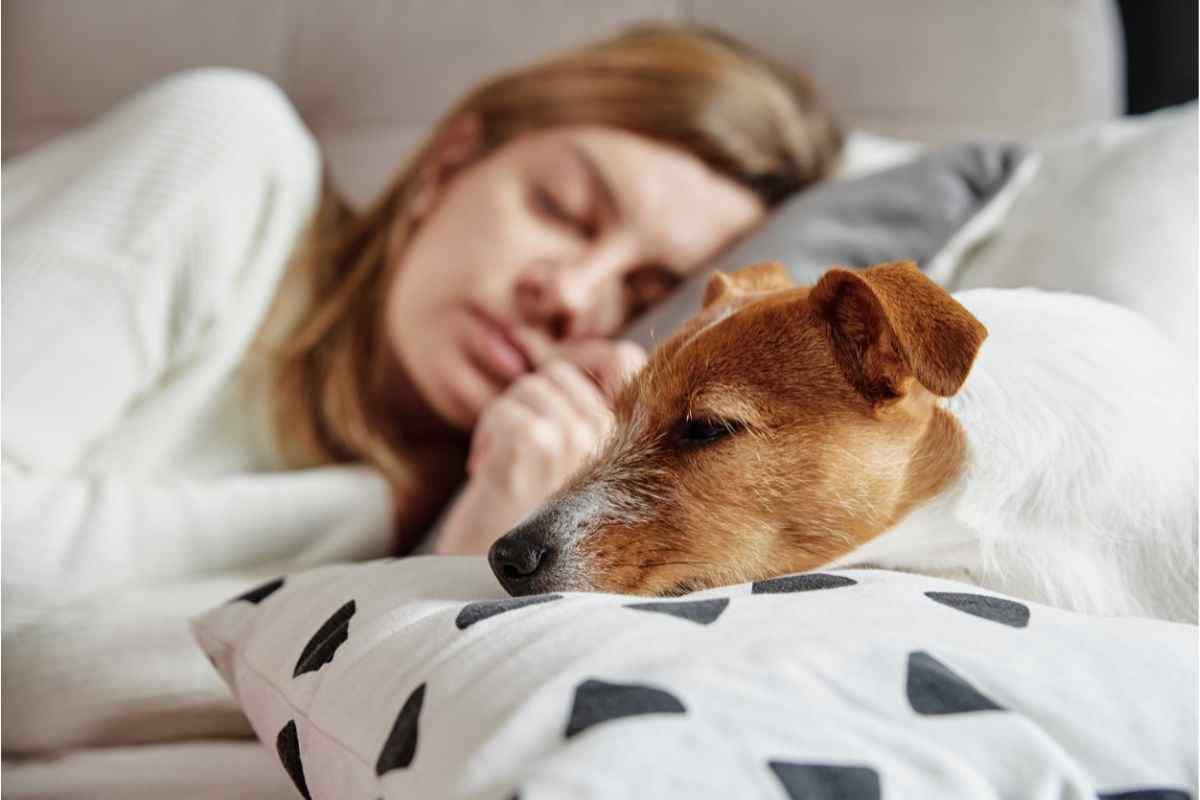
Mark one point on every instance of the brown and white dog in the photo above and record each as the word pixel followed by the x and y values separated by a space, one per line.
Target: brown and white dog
pixel 862 422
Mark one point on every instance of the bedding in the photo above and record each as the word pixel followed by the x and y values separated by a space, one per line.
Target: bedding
pixel 145 683
pixel 140 254
pixel 929 208
pixel 1113 214
pixel 208 769
pixel 420 678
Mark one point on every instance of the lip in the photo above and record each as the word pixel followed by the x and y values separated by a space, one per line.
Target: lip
pixel 495 346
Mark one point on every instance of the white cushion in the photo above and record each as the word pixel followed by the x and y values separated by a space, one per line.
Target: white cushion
pixel 1111 212
pixel 419 678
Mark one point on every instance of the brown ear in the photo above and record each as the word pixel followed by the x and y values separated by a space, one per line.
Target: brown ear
pixel 768 276
pixel 719 287
pixel 890 323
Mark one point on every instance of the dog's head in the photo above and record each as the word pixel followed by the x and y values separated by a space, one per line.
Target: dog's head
pixel 780 428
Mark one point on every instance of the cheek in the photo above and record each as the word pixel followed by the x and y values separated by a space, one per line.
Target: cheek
pixel 424 334
pixel 412 306
pixel 445 266
pixel 657 560
pixel 649 557
pixel 470 234
pixel 676 544
pixel 612 306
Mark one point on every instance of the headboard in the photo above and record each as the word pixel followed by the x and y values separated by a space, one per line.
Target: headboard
pixel 369 76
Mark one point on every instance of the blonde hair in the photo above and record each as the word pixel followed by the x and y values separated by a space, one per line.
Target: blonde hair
pixel 745 116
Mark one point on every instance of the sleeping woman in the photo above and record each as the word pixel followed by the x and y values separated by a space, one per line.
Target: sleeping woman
pixel 213 365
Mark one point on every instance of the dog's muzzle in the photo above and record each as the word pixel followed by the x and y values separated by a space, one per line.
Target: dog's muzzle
pixel 533 557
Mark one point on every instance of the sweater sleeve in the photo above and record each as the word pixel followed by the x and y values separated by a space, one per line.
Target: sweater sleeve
pixel 139 254
pixel 137 246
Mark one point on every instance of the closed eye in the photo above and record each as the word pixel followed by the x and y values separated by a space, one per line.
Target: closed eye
pixel 702 432
pixel 548 205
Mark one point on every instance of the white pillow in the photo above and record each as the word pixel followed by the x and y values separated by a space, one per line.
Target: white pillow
pixel 1111 212
pixel 418 678
pixel 864 152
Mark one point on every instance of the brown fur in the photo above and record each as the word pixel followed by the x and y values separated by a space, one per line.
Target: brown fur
pixel 839 435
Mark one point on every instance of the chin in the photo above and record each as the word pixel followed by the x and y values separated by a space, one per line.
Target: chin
pixel 458 399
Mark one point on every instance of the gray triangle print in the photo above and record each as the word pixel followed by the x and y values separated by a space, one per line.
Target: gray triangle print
pixel 287 744
pixel 401 746
pixel 478 612
pixel 326 641
pixel 997 609
pixel 260 593
pixel 704 612
pixel 808 582
pixel 826 781
pixel 600 701
pixel 933 688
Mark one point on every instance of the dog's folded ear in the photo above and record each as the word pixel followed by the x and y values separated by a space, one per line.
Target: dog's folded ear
pixel 890 323
pixel 768 276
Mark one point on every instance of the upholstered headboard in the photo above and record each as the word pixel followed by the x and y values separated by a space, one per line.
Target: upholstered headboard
pixel 370 76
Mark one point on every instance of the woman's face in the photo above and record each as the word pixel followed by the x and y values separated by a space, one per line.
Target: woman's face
pixel 552 238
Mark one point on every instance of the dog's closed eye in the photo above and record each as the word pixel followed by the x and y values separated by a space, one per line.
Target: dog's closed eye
pixel 694 433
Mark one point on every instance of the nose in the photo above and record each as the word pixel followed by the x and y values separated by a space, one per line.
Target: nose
pixel 517 558
pixel 577 299
pixel 559 300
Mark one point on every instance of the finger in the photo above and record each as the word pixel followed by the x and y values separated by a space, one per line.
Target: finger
pixel 496 419
pixel 480 440
pixel 582 393
pixel 608 363
pixel 628 359
pixel 478 451
pixel 549 451
pixel 543 397
pixel 562 434
pixel 503 420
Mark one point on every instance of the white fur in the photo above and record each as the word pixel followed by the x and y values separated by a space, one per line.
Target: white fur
pixel 1081 483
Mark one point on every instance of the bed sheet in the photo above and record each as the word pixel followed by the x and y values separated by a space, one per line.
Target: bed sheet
pixel 197 770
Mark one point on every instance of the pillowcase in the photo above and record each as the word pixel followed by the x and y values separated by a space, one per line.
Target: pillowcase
pixel 418 677
pixel 864 152
pixel 1111 213
pixel 952 196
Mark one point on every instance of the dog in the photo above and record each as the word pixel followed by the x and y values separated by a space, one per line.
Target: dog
pixel 1039 444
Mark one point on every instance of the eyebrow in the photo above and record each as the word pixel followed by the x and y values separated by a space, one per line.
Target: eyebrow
pixel 608 198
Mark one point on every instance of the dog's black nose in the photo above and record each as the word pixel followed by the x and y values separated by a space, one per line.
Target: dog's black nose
pixel 516 559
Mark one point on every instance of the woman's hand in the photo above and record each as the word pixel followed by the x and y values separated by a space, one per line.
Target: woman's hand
pixel 533 437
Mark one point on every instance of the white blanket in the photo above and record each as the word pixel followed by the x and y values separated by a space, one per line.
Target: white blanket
pixel 198 770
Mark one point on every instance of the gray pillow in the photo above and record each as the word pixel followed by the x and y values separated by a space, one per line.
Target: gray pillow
pixel 908 212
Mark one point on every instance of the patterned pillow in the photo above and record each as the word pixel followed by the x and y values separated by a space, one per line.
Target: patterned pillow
pixel 419 678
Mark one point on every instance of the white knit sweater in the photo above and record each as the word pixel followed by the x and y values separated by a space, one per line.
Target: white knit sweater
pixel 139 257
